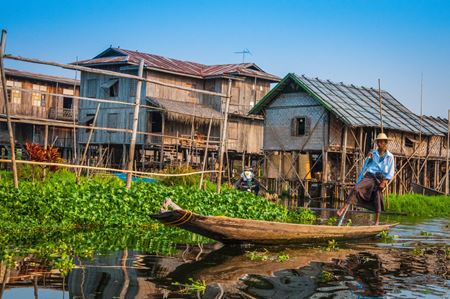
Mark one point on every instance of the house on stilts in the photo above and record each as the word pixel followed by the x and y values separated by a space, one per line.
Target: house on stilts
pixel 175 121
pixel 43 110
pixel 317 134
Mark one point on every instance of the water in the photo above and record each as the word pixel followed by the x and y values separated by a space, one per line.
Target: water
pixel 414 264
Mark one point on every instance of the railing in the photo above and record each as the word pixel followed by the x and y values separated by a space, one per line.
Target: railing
pixel 64 114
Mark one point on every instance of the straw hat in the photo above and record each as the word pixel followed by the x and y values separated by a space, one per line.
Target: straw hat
pixel 382 136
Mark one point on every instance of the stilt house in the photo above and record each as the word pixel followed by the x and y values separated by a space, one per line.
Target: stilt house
pixel 37 102
pixel 180 119
pixel 317 134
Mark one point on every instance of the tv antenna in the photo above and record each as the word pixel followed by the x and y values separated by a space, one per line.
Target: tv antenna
pixel 244 52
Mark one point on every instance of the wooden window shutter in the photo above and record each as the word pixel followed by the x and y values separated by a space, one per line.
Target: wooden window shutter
pixel 294 124
pixel 307 126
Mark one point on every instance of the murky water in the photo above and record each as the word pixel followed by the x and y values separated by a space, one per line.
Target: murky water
pixel 414 264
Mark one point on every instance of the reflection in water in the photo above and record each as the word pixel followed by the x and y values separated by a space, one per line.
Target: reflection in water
pixel 413 266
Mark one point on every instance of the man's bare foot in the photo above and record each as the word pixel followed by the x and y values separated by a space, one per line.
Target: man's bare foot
pixel 377 222
pixel 340 212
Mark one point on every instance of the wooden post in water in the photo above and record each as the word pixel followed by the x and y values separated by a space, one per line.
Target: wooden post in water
pixel 135 124
pixel 205 157
pixel 224 137
pixel 91 132
pixel 343 162
pixel 448 155
pixel 8 117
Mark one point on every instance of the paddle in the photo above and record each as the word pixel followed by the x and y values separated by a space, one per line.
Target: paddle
pixel 361 174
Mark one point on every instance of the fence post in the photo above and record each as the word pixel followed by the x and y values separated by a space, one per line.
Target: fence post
pixel 135 124
pixel 8 117
pixel 224 138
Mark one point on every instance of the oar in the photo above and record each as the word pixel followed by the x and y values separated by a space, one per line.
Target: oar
pixel 361 174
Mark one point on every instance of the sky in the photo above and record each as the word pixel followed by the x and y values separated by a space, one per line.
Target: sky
pixel 355 42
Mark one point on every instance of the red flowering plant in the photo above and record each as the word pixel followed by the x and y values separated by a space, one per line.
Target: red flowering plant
pixel 38 153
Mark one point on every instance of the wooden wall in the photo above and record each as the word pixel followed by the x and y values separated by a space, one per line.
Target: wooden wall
pixel 278 123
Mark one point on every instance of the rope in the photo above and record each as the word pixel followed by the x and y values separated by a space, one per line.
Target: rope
pixel 181 220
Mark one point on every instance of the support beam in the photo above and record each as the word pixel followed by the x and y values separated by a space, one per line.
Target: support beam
pixel 448 156
pixel 343 161
pixel 135 124
pixel 8 117
pixel 224 137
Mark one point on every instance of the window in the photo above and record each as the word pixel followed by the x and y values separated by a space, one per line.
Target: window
pixel 15 96
pixel 91 91
pixel 67 103
pixel 111 87
pixel 43 100
pixel 37 98
pixel 68 92
pixel 89 121
pixel 409 142
pixel 300 126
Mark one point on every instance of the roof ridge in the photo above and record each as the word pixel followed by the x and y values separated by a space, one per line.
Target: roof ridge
pixel 339 83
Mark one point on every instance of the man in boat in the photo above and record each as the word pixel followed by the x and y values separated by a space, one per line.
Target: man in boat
pixel 379 170
pixel 247 181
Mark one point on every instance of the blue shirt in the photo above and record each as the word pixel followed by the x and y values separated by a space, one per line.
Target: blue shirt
pixel 384 164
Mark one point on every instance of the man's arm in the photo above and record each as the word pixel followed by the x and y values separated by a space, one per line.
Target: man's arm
pixel 390 172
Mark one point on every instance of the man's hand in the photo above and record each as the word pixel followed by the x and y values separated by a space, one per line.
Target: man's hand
pixel 369 155
pixel 383 184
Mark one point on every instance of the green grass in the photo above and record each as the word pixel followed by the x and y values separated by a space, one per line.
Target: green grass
pixel 420 205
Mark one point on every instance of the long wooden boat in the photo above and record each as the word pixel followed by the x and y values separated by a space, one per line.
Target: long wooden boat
pixel 229 230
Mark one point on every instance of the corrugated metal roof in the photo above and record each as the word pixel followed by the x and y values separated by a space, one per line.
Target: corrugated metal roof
pixel 41 77
pixel 117 55
pixel 357 106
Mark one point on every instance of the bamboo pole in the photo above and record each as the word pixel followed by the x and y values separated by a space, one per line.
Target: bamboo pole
pixel 91 132
pixel 74 130
pixel 381 105
pixel 110 73
pixel 8 117
pixel 108 169
pixel 205 156
pixel 224 137
pixel 343 161
pixel 63 124
pixel 135 123
pixel 448 155
pixel 161 152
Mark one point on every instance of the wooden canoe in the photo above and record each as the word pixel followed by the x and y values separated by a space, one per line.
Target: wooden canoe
pixel 229 230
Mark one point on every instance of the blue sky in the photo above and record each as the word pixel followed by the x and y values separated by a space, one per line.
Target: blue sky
pixel 350 41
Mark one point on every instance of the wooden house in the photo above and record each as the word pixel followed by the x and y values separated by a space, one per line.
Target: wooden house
pixel 37 102
pixel 179 121
pixel 317 134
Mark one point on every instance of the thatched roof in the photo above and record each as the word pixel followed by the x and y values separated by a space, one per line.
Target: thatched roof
pixel 185 111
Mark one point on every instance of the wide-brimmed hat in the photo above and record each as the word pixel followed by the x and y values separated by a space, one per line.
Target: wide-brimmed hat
pixel 382 136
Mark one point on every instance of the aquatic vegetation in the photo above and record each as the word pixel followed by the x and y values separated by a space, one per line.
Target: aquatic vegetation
pixel 420 205
pixel 104 201
pixel 349 222
pixel 418 251
pixel 257 255
pixel 386 237
pixel 326 276
pixel 302 216
pixel 194 286
pixel 425 233
pixel 331 245
pixel 331 221
pixel 283 257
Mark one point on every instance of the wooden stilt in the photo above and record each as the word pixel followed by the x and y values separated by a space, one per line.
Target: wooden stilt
pixel 224 137
pixel 205 156
pixel 135 124
pixel 343 162
pixel 8 117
